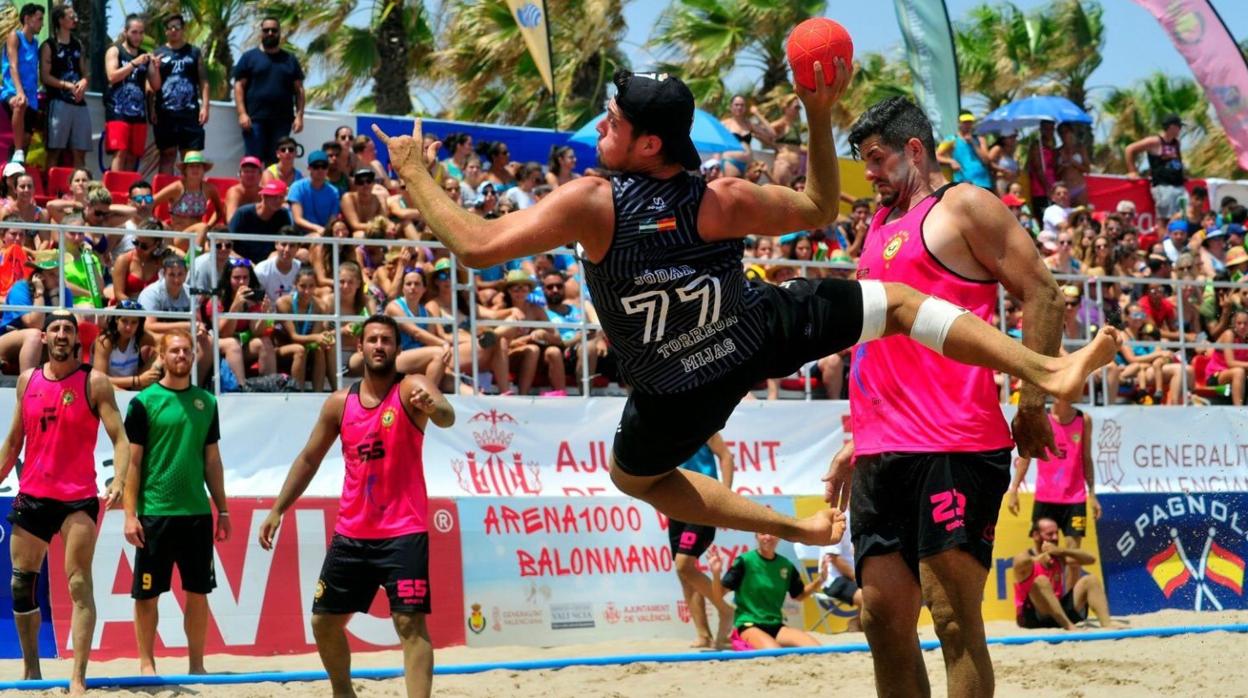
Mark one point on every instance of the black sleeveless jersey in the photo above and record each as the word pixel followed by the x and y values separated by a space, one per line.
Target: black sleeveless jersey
pixel 677 310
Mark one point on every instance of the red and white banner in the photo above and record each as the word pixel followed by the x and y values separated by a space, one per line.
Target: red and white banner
pixel 263 601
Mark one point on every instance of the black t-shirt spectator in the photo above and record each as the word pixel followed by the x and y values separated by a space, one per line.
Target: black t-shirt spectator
pixel 179 79
pixel 271 78
pixel 66 60
pixel 246 220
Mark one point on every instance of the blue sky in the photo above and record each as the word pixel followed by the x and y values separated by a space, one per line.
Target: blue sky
pixel 1135 45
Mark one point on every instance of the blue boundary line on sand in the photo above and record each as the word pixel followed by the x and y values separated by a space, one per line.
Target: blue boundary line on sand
pixel 611 660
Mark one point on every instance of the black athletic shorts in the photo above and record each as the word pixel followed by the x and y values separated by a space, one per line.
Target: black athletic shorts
pixel 842 589
pixel 185 541
pixel 770 629
pixel 1031 618
pixel 178 130
pixel 1071 518
pixel 921 504
pixel 354 568
pixel 689 539
pixel 809 320
pixel 43 517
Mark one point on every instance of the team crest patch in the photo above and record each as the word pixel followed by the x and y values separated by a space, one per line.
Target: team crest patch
pixel 784 573
pixel 67 397
pixel 476 619
pixel 387 417
pixel 199 404
pixel 1076 437
pixel 320 590
pixel 894 244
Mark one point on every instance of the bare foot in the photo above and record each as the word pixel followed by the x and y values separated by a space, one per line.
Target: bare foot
pixel 147 669
pixel 1067 382
pixel 703 642
pixel 724 644
pixel 198 670
pixel 77 687
pixel 825 527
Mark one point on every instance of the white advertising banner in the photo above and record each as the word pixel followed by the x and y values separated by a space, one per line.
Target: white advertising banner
pixel 553 571
pixel 520 447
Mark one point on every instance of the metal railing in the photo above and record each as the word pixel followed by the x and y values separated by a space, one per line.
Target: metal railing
pixel 462 280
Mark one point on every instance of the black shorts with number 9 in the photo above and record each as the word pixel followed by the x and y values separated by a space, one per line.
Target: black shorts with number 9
pixel 354 568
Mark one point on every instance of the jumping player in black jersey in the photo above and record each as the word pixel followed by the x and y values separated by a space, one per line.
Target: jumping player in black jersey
pixel 662 254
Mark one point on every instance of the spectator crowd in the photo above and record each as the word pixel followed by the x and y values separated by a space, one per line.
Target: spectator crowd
pixel 459 322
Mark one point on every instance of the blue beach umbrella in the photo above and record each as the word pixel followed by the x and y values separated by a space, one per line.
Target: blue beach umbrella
pixel 1029 112
pixel 709 136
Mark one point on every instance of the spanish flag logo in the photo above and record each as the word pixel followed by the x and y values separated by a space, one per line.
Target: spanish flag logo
pixel 1226 568
pixel 663 225
pixel 1169 572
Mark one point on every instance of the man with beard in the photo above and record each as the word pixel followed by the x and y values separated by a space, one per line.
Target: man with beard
pixel 932 448
pixel 180 84
pixel 268 93
pixel 60 407
pixel 381 536
pixel 173 431
pixel 662 252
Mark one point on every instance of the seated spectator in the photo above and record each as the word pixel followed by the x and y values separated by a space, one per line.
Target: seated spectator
pixel 284 169
pixel 420 350
pixel 1229 366
pixel 24 208
pixel 167 294
pixel 142 200
pixel 84 273
pixel 1058 212
pixel 305 342
pixel 194 202
pixel 361 205
pixel 561 166
pixel 760 579
pixel 1041 599
pixel 1148 365
pixel 247 191
pixel 321 257
pixel 21 332
pixel 339 173
pixel 765 248
pixel 206 269
pixel 1176 239
pixel 387 281
pixel 135 270
pixel 268 217
pixel 372 255
pixel 1213 252
pixel 101 212
pixel 454 192
pixel 365 156
pixel 313 200
pixel 242 341
pixel 559 309
pixel 802 251
pixel 712 169
pixel 125 351
pixel 1161 310
pixel 1063 261
pixel 852 233
pixel 474 175
pixel 276 274
pixel 526 345
pixel 459 145
pixel 836 565
pixel 498 155
pixel 352 302
pixel 401 209
pixel 1100 254
pixel 492 347
pixel 73 200
pixel 1197 207
pixel 345 138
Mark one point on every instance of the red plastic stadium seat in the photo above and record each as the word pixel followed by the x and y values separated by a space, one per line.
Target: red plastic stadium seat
pixel 41 196
pixel 798 384
pixel 87 332
pixel 223 184
pixel 58 181
pixel 118 183
pixel 162 181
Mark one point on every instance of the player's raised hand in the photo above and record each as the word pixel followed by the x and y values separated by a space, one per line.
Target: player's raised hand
pixel 825 94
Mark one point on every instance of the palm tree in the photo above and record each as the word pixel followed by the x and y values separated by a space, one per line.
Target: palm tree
pixel 876 78
pixel 1137 112
pixel 701 40
pixel 1083 28
pixel 495 78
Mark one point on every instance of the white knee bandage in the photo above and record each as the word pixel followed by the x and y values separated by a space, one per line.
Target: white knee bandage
pixel 932 323
pixel 874 310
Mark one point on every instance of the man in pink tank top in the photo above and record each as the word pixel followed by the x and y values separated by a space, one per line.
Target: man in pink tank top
pixel 381 538
pixel 60 407
pixel 1043 595
pixel 662 250
pixel 932 448
pixel 1065 479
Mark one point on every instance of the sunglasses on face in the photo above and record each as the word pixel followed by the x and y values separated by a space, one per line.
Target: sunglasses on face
pixel 270 30
pixel 286 149
pixel 173 28
pixel 225 245
pixel 1138 316
pixel 554 287
pixel 1072 304
pixel 129 305
pixel 239 262
pixel 1010 309
pixel 365 180
pixel 146 245
pixel 1065 243
pixel 442 276
pixel 143 199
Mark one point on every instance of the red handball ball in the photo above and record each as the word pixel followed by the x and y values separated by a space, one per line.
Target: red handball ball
pixel 818 39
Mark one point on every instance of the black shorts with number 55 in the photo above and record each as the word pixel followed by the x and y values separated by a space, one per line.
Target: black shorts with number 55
pixel 354 568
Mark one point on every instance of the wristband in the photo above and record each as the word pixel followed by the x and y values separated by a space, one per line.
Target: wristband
pixel 223 513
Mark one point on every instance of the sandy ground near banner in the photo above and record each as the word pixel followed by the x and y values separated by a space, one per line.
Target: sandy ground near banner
pixel 1204 664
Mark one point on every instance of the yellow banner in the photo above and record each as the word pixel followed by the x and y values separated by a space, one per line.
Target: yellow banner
pixel 531 17
pixel 1011 539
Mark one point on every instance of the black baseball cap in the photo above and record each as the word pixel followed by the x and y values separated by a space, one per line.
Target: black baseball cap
pixel 1171 120
pixel 57 316
pixel 662 105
